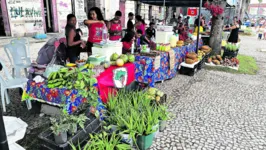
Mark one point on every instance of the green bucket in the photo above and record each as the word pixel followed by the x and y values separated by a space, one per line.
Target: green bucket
pixel 145 142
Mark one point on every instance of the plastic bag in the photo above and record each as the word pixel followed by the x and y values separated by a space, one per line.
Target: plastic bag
pixel 51 68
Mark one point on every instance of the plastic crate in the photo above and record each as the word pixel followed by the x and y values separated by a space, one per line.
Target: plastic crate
pixel 230 54
pixel 202 63
pixel 189 71
pixel 46 138
pixel 136 86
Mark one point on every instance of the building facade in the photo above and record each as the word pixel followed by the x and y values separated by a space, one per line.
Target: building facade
pixel 29 17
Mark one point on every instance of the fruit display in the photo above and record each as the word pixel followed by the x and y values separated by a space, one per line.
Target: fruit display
pixel 89 66
pixel 217 60
pixel 191 58
pixel 163 47
pixel 155 94
pixel 179 43
pixel 206 49
pixel 117 60
pixel 114 57
pixel 201 54
pixel 71 65
pixel 219 57
pixel 233 62
pixel 120 62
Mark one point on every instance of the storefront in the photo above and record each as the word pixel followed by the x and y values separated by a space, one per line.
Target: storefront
pixel 30 17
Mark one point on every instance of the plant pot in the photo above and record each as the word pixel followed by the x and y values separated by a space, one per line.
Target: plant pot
pixel 162 125
pixel 127 139
pixel 145 142
pixel 230 54
pixel 156 127
pixel 61 138
pixel 73 130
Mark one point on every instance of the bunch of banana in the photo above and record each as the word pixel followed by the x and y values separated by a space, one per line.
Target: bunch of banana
pixel 75 78
pixel 58 79
pixel 200 54
pixel 89 66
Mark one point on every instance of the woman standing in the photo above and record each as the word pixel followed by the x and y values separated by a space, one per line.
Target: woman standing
pixel 233 38
pixel 115 27
pixel 96 26
pixel 140 24
pixel 74 42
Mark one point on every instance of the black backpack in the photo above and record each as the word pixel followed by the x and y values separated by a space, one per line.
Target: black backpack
pixel 61 55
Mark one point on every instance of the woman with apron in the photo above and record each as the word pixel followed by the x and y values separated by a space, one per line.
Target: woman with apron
pixel 115 27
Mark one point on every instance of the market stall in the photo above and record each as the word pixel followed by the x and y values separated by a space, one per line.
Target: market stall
pixel 70 99
pixel 153 69
pixel 107 83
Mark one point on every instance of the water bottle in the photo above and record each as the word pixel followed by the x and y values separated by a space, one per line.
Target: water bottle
pixel 105 34
pixel 132 48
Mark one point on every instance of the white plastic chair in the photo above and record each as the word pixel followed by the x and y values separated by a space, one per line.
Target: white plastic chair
pixel 20 59
pixel 10 83
pixel 22 41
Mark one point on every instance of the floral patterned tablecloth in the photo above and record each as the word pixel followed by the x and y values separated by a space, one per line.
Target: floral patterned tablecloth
pixel 145 71
pixel 71 99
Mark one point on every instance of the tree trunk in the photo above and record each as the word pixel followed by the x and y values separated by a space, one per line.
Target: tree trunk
pixel 216 31
pixel 244 7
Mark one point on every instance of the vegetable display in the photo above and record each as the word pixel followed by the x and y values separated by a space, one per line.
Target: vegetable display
pixel 75 78
pixel 231 47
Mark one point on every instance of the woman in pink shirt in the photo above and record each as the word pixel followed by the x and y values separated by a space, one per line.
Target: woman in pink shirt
pixel 115 27
pixel 140 24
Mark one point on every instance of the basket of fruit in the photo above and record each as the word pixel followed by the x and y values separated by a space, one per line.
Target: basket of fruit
pixel 81 62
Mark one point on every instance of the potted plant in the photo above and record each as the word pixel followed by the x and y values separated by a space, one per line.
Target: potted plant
pixel 145 127
pixel 231 50
pixel 59 129
pixel 74 121
pixel 163 117
pixel 104 141
pixel 127 124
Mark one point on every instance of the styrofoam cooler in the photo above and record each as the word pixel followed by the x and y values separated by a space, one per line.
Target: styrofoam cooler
pixel 107 51
pixel 163 36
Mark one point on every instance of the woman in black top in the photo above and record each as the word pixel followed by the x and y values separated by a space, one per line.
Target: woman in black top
pixel 233 38
pixel 74 42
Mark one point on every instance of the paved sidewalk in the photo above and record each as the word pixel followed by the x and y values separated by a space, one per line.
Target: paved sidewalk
pixel 216 110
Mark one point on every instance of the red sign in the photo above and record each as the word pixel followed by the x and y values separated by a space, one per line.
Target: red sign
pixel 192 12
